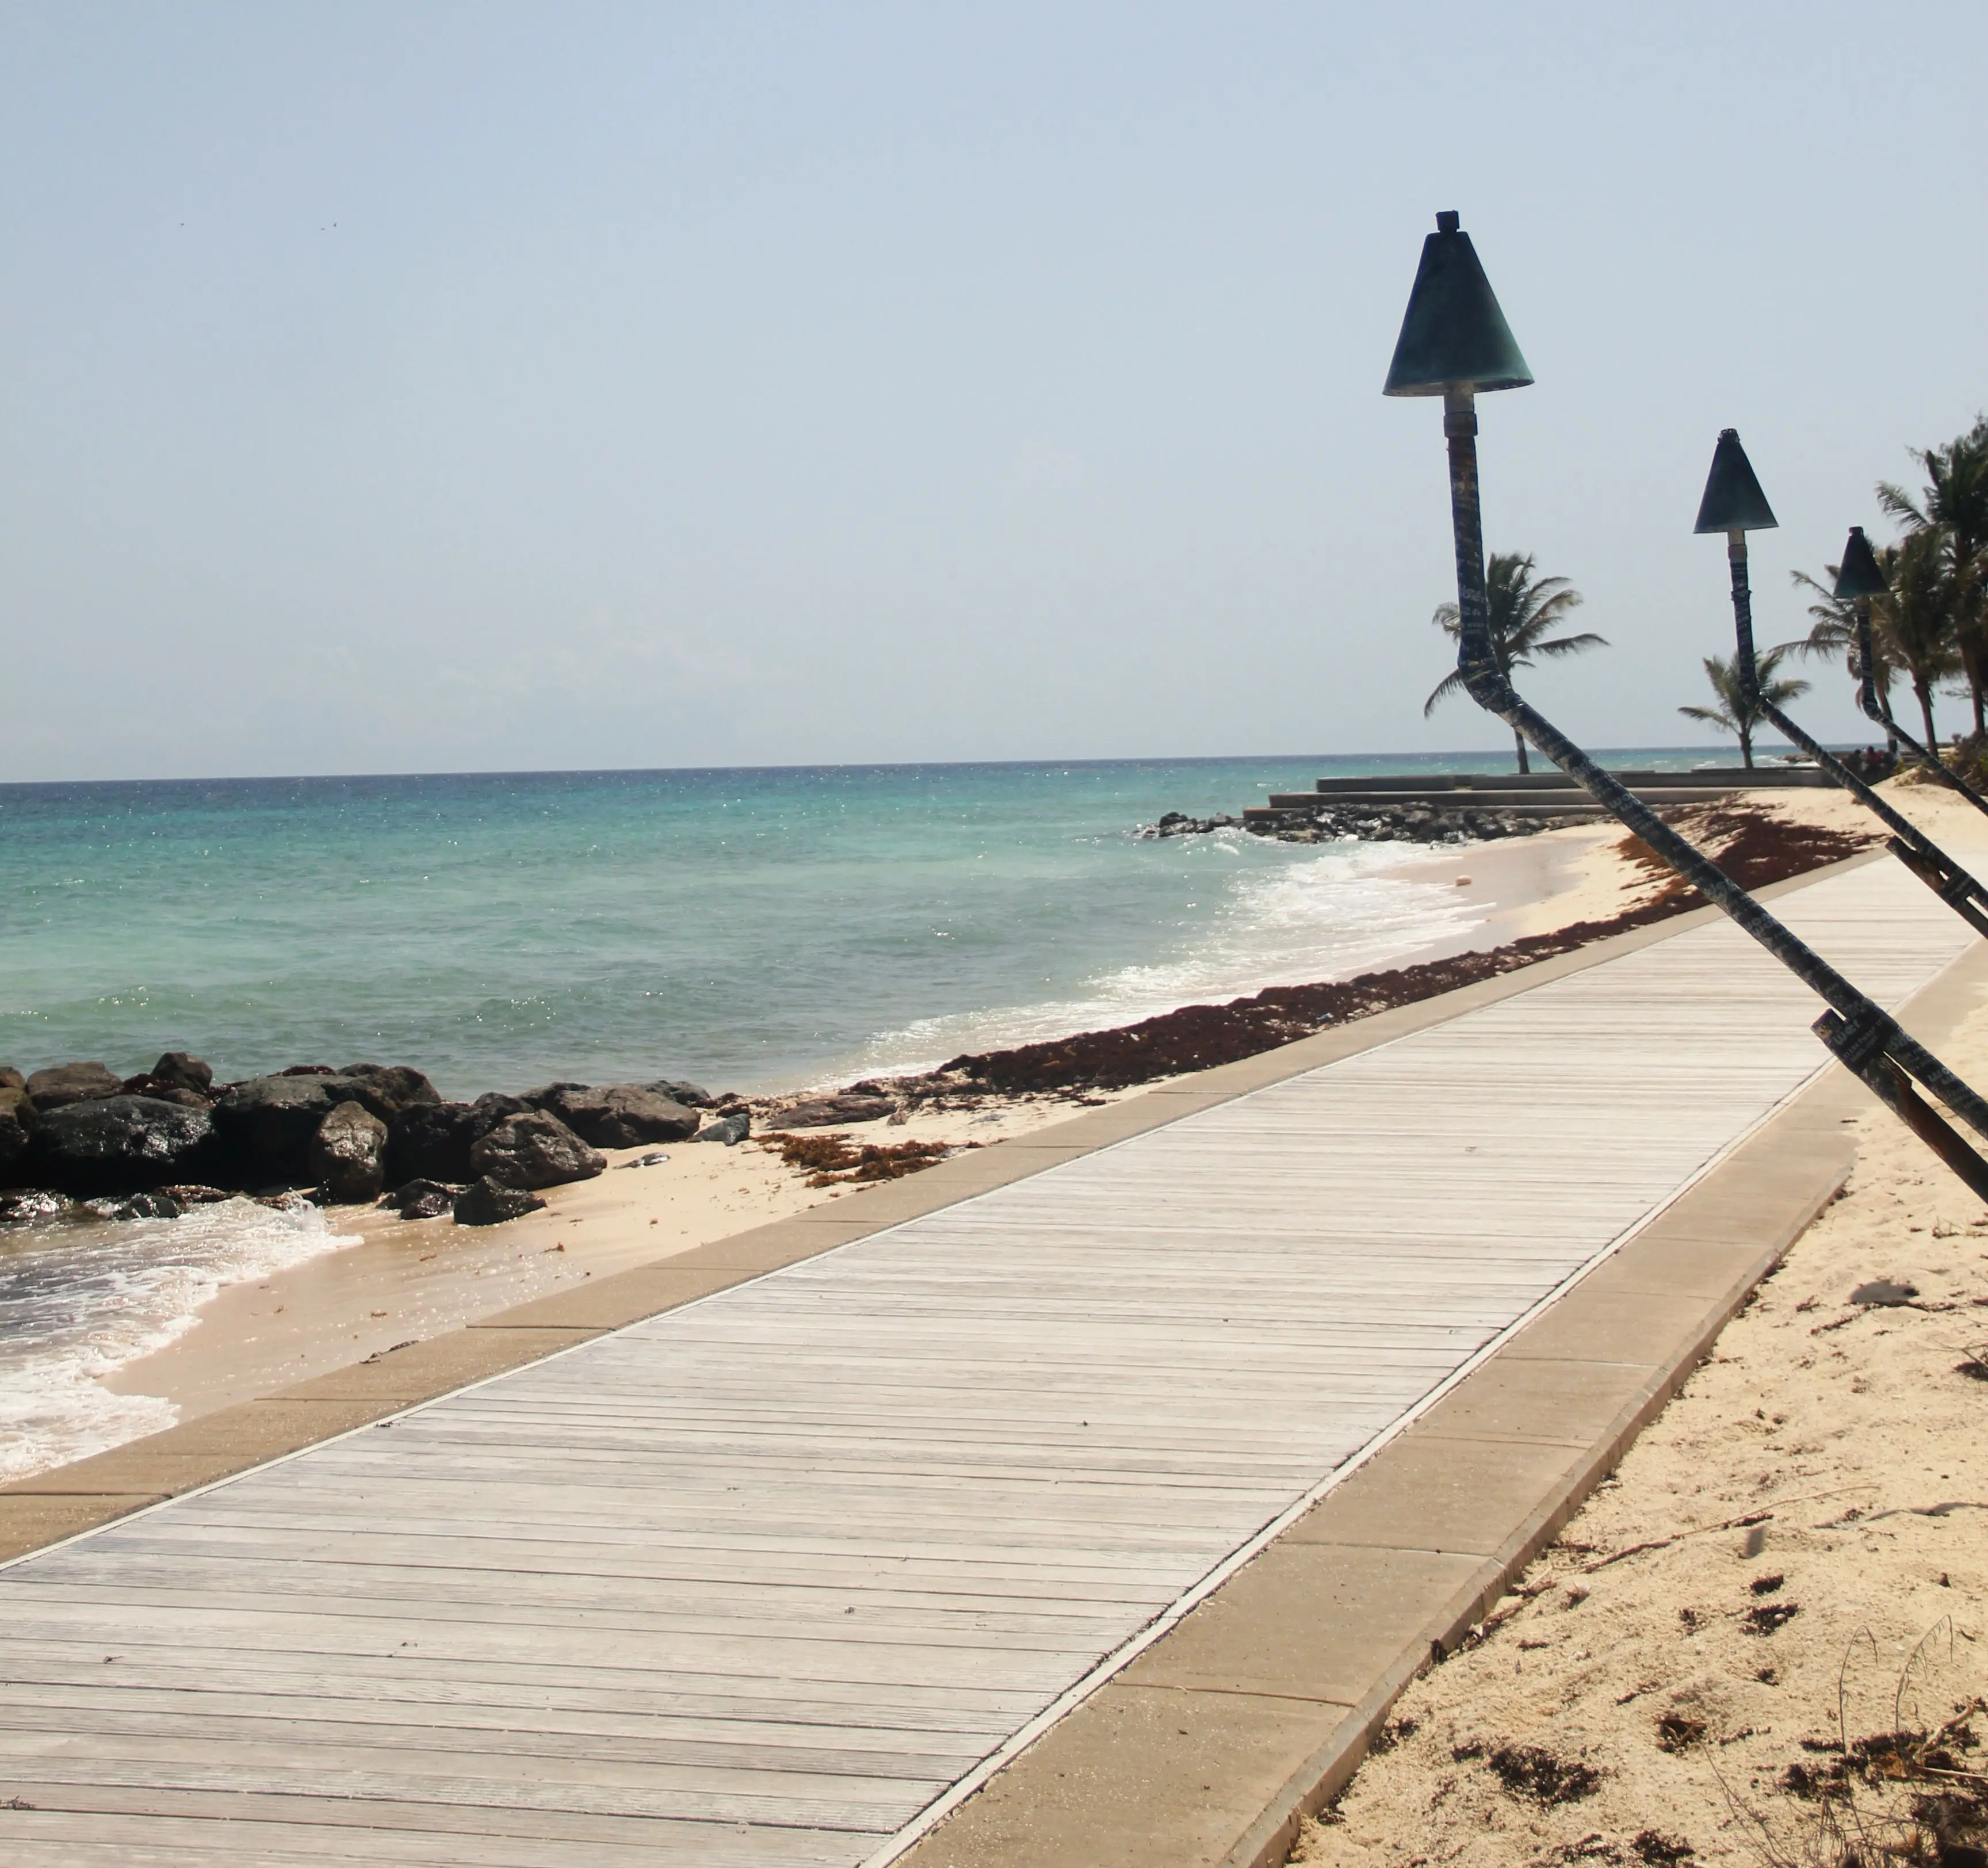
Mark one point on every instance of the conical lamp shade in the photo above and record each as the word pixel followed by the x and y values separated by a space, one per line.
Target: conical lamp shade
pixel 1733 501
pixel 1860 576
pixel 1453 332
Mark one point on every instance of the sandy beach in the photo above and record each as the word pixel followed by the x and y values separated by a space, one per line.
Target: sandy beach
pixel 407 1281
pixel 1807 1516
pixel 1790 1559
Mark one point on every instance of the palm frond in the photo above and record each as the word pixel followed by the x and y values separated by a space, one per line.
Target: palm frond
pixel 1452 683
pixel 1899 505
pixel 1571 645
pixel 1523 611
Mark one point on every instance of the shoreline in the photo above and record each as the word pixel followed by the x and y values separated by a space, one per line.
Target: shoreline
pixel 412 1279
pixel 407 1280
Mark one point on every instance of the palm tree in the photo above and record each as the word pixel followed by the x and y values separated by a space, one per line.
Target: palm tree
pixel 1834 633
pixel 1524 613
pixel 1735 713
pixel 1912 624
pixel 1955 508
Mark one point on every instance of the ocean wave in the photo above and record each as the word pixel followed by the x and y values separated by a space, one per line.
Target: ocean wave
pixel 1330 914
pixel 81 1300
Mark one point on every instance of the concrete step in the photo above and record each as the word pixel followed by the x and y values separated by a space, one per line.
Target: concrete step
pixel 1718 778
pixel 1559 812
pixel 1549 804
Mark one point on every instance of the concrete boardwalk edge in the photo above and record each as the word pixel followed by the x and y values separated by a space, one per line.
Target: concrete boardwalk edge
pixel 70 1500
pixel 1351 1328
pixel 1257 1707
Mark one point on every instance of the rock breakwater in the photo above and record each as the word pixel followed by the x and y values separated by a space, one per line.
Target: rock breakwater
pixel 1407 823
pixel 75 1136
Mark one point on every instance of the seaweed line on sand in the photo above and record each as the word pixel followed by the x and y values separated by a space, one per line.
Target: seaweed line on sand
pixel 1754 848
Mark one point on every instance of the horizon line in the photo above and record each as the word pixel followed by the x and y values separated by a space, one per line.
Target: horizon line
pixel 853 765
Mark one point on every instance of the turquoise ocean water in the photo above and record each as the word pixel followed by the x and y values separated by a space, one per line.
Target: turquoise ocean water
pixel 751 929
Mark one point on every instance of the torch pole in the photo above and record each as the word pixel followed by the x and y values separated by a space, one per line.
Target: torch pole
pixel 1880 710
pixel 1910 845
pixel 1866 1039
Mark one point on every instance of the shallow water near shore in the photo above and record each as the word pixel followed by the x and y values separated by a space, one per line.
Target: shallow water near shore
pixel 80 1298
pixel 751 929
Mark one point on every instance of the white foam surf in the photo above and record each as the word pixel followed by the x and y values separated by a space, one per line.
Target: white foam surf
pixel 1330 913
pixel 79 1300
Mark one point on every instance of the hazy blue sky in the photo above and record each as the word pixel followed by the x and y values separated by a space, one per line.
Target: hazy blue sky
pixel 396 386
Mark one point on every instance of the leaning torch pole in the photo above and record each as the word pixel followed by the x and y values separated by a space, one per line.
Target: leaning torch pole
pixel 1454 343
pixel 1859 578
pixel 1734 504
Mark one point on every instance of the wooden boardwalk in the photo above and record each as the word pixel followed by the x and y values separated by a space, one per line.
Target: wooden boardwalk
pixel 765 1579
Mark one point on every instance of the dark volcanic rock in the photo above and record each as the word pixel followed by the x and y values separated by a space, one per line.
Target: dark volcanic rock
pixel 18 1121
pixel 487 1202
pixel 534 1150
pixel 691 1096
pixel 547 1094
pixel 25 1204
pixel 827 1111
pixel 185 1071
pixel 266 1125
pixel 267 1122
pixel 347 1155
pixel 423 1200
pixel 163 1090
pixel 622 1115
pixel 10 1078
pixel 1179 823
pixel 121 1145
pixel 730 1129
pixel 136 1207
pixel 68 1083
pixel 1406 823
pixel 396 1087
pixel 431 1141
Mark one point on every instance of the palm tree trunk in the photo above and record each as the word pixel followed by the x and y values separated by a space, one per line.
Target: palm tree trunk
pixel 1970 663
pixel 1924 691
pixel 1746 745
pixel 1519 739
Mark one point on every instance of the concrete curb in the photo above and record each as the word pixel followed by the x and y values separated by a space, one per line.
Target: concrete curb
pixel 1279 1680
pixel 1268 1841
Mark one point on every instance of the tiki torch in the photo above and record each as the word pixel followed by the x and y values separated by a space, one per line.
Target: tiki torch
pixel 1455 342
pixel 1859 578
pixel 1734 504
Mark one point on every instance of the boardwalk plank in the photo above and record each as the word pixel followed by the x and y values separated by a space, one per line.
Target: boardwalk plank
pixel 751 1582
